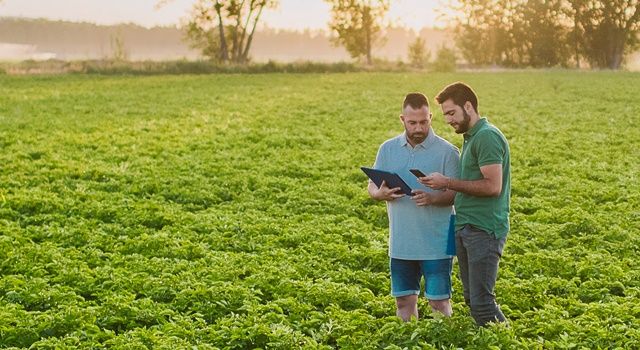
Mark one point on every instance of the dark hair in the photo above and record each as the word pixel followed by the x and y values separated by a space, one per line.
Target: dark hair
pixel 459 93
pixel 416 100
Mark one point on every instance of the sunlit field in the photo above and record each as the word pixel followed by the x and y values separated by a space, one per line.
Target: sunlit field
pixel 229 211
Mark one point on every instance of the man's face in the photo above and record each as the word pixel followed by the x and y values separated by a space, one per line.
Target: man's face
pixel 455 116
pixel 416 124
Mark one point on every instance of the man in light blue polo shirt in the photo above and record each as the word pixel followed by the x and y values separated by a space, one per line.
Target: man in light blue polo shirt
pixel 419 224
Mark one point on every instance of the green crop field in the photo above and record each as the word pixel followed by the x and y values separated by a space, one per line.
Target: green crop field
pixel 229 211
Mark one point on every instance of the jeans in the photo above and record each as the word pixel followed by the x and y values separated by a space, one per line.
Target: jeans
pixel 478 257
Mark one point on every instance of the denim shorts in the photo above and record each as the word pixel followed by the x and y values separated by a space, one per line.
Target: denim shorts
pixel 406 275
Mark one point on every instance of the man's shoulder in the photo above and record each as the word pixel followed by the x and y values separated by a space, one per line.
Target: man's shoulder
pixel 490 127
pixel 392 142
pixel 446 145
pixel 491 131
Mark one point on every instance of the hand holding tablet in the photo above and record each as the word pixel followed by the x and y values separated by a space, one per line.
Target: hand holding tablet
pixel 392 180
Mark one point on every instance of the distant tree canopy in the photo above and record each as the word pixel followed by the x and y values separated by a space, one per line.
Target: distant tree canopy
pixel 357 25
pixel 418 54
pixel 223 29
pixel 608 29
pixel 542 33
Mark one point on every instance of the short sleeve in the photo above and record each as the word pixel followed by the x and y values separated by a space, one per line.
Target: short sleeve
pixel 381 159
pixel 452 164
pixel 491 148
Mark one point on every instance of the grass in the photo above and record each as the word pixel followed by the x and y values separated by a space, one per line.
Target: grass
pixel 118 67
pixel 229 211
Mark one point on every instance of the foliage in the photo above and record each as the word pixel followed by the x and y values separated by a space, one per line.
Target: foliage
pixel 118 49
pixel 482 36
pixel 224 29
pixel 229 212
pixel 112 67
pixel 543 33
pixel 418 54
pixel 547 33
pixel 609 30
pixel 445 60
pixel 357 25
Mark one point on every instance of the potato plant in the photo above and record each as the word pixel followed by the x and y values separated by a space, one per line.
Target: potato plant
pixel 229 212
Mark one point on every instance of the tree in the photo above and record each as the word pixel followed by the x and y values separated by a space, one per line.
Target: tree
pixel 542 32
pixel 418 54
pixel 609 30
pixel 357 24
pixel 572 10
pixel 223 29
pixel 118 49
pixel 484 32
pixel 445 60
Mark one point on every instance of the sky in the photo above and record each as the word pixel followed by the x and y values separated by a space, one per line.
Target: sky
pixel 291 14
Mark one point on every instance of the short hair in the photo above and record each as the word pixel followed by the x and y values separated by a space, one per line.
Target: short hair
pixel 416 100
pixel 459 93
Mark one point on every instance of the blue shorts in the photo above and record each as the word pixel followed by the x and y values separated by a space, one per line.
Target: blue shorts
pixel 406 275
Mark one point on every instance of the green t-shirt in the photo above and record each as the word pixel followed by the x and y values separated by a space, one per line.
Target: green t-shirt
pixel 484 144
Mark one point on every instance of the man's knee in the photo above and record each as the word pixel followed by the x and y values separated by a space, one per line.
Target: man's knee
pixel 407 307
pixel 407 301
pixel 442 306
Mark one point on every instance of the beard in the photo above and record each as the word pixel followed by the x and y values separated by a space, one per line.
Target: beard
pixel 417 137
pixel 463 126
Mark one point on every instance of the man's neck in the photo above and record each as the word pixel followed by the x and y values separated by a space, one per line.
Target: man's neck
pixel 473 121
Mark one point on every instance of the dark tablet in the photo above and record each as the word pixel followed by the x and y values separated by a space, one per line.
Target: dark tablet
pixel 392 179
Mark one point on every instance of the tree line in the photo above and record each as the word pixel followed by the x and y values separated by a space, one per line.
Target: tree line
pixel 224 29
pixel 544 33
pixel 80 41
pixel 511 33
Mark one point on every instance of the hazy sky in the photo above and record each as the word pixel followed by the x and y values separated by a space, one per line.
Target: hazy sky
pixel 295 14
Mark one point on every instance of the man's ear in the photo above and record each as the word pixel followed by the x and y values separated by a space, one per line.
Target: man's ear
pixel 468 107
pixel 401 118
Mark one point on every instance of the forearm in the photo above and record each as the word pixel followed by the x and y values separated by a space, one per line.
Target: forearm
pixel 444 198
pixel 478 188
pixel 373 190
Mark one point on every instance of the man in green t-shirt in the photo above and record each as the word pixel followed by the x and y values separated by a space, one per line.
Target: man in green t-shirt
pixel 481 202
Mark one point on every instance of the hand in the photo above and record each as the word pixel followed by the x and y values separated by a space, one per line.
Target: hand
pixel 422 198
pixel 385 193
pixel 436 181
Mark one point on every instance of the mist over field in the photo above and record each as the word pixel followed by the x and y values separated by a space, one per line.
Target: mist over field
pixel 42 39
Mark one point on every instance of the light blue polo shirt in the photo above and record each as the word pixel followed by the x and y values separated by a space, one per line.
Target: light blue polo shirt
pixel 418 233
